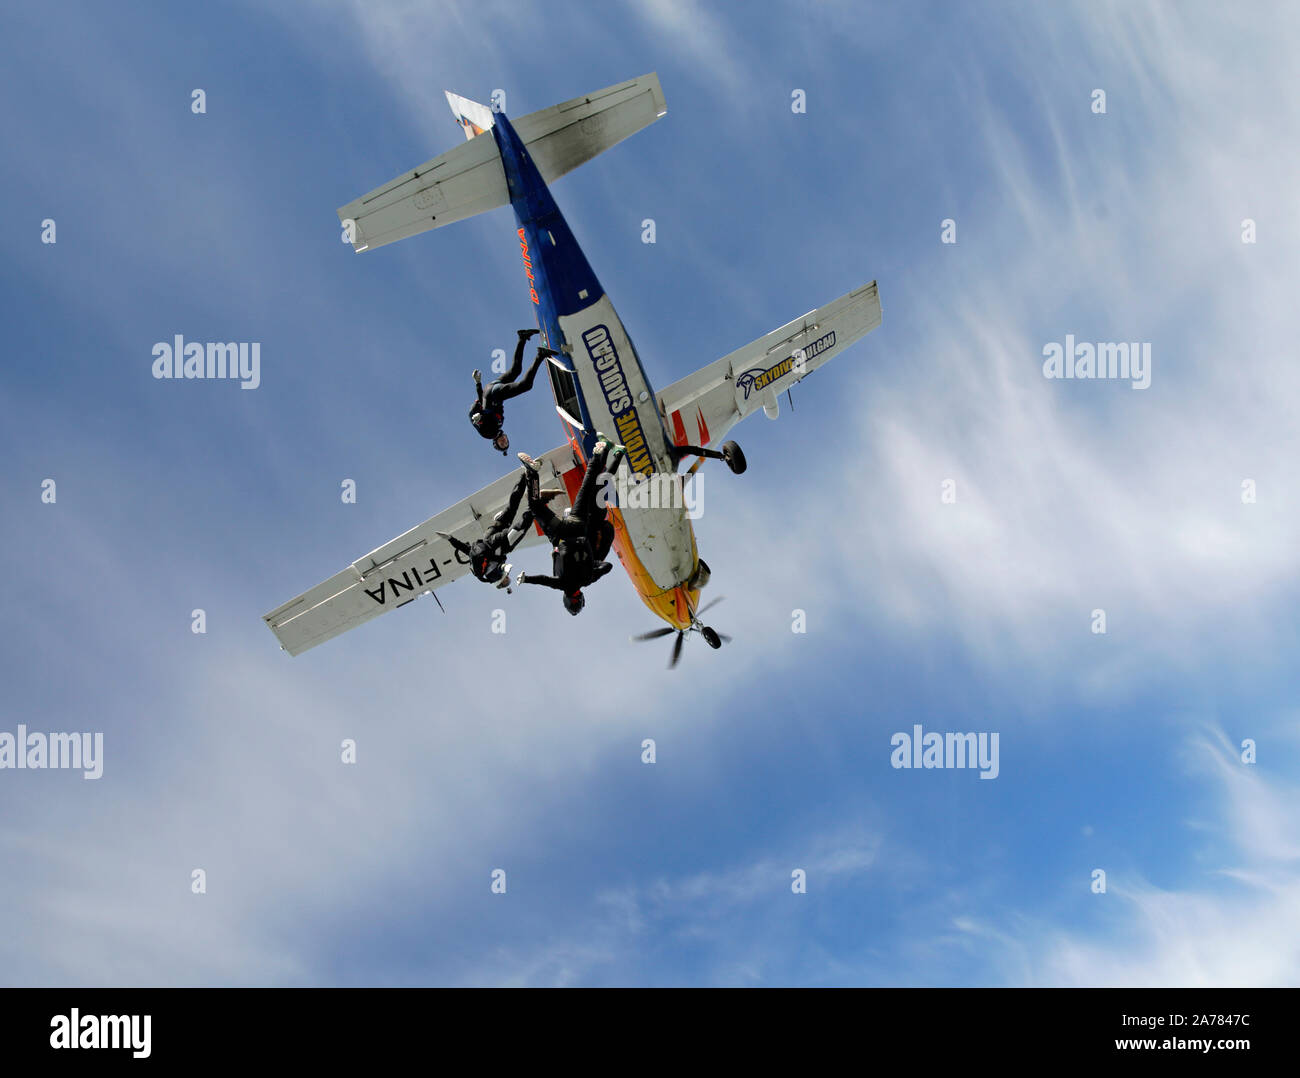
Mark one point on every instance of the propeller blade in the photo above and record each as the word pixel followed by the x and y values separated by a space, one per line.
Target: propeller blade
pixel 653 634
pixel 709 605
pixel 677 650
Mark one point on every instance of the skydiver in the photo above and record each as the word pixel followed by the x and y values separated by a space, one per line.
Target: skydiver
pixel 487 556
pixel 582 537
pixel 487 412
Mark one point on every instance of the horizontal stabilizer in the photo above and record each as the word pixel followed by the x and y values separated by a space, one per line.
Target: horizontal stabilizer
pixel 470 180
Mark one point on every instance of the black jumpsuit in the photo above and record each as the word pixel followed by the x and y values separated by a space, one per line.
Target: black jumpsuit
pixel 487 412
pixel 487 556
pixel 582 539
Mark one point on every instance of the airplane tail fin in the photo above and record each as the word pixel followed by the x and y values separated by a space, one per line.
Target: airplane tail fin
pixel 474 119
pixel 470 180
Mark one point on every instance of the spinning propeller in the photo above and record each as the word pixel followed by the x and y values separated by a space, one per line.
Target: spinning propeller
pixel 712 638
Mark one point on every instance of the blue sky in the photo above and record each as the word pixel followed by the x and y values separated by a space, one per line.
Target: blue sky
pixel 522 751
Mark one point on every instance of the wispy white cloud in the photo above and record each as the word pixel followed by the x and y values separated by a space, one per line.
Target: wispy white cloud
pixel 1076 495
pixel 1235 926
pixel 738 920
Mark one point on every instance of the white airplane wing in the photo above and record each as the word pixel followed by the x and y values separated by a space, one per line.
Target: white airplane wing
pixel 702 407
pixel 412 565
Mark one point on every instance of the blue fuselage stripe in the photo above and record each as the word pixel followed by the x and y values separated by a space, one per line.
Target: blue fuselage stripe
pixel 561 276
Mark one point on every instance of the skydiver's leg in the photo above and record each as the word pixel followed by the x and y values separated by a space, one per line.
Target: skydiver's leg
pixel 533 482
pixel 558 528
pixel 507 515
pixel 500 392
pixel 494 394
pixel 527 383
pixel 547 520
pixel 498 536
pixel 501 389
pixel 520 530
pixel 529 482
pixel 584 505
pixel 544 581
pixel 517 364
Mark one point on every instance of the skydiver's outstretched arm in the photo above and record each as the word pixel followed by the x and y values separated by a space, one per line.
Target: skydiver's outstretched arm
pixel 480 402
pixel 458 545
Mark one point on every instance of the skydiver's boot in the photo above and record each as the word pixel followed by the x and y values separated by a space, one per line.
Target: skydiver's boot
pixel 616 451
pixel 546 353
pixel 530 463
pixel 524 334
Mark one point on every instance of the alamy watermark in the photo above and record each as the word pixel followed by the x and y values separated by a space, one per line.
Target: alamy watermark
pixel 112 1031
pixel 1118 360
pixel 658 490
pixel 214 359
pixel 36 751
pixel 948 750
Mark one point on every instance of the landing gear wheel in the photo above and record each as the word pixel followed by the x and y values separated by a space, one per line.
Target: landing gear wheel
pixel 734 457
pixel 711 638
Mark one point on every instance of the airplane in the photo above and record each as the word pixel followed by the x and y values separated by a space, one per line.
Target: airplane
pixel 598 380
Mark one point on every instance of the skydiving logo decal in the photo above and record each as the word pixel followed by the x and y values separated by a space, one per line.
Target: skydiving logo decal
pixel 618 398
pixel 756 378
